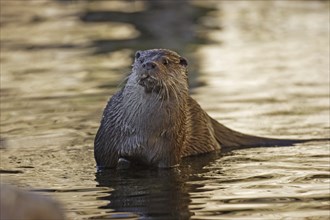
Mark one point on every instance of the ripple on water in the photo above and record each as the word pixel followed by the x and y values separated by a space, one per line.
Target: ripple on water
pixel 279 186
pixel 264 68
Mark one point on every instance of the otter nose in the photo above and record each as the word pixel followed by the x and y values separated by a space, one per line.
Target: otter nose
pixel 149 65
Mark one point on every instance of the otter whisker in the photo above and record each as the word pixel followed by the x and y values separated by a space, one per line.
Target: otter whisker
pixel 123 81
pixel 161 93
pixel 174 91
pixel 161 104
pixel 167 92
pixel 157 89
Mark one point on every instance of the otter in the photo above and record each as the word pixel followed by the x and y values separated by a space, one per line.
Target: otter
pixel 154 121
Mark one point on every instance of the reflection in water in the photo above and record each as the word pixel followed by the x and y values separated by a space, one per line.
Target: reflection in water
pixel 161 24
pixel 154 193
pixel 148 193
pixel 264 65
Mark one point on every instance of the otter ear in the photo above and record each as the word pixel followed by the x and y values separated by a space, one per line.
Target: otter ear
pixel 137 54
pixel 183 61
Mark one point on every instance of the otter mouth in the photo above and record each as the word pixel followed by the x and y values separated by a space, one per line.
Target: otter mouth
pixel 149 83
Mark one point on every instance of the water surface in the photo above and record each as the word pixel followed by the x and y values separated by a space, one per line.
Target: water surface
pixel 261 67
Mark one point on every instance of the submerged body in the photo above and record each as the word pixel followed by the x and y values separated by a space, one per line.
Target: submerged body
pixel 153 120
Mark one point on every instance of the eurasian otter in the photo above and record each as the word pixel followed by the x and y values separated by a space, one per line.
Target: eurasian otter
pixel 154 121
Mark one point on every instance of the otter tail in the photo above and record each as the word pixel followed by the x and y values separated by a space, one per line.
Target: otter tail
pixel 232 140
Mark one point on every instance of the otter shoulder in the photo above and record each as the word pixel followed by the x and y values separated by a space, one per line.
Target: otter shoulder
pixel 201 138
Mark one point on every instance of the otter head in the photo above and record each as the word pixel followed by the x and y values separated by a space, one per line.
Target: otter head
pixel 161 71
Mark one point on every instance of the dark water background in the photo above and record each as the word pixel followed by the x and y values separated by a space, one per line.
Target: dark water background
pixel 261 67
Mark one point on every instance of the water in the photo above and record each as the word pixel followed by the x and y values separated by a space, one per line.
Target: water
pixel 260 67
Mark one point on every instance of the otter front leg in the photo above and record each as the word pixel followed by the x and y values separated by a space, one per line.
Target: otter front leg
pixel 105 158
pixel 105 150
pixel 123 164
pixel 169 156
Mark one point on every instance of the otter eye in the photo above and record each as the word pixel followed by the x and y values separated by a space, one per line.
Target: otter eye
pixel 137 55
pixel 183 61
pixel 165 61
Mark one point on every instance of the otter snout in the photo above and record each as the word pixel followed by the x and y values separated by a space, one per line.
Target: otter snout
pixel 149 65
pixel 148 76
pixel 148 68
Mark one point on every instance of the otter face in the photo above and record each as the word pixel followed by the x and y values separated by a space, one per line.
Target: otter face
pixel 160 70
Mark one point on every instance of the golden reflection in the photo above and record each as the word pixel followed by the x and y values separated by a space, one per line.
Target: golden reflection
pixel 260 67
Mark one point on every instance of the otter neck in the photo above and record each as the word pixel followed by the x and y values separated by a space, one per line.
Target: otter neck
pixel 148 111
